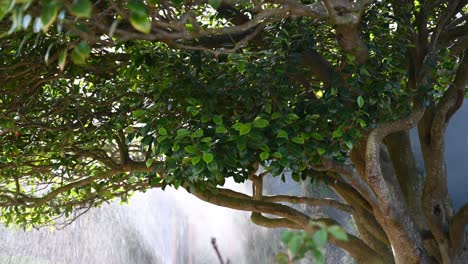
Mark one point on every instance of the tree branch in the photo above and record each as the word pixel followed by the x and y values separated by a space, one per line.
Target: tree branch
pixel 457 228
pixel 261 220
pixel 356 247
pixel 436 204
pixel 395 219
pixel 327 202
pixel 352 176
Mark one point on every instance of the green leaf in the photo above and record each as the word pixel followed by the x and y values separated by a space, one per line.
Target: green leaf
pixel 349 144
pixel 268 108
pixel 137 7
pixel 81 8
pixel 260 123
pixel 206 139
pixel 293 116
pixel 286 236
pixel 139 16
pixel 321 151
pixel 208 157
pixel 215 3
pixel 277 155
pixel 365 72
pixel 191 101
pixel 198 133
pixel 337 232
pixel 175 147
pixel 205 119
pixel 264 155
pixel 212 166
pixel 162 131
pixel 244 129
pixel 297 140
pixel 237 126
pixel 360 101
pixel 320 238
pixel 196 160
pixel 361 122
pixel 147 140
pixel 199 168
pixel 241 64
pixel 317 136
pixel 177 3
pixel 190 149
pixel 295 244
pixel 49 14
pixel 275 115
pixel 149 163
pixel 337 133
pixel 296 177
pixel 193 110
pixel 161 138
pixel 140 23
pixel 220 130
pixel 282 134
pixel 80 53
pixel 218 120
pixel 183 132
pixel 350 57
pixel 5 7
pixel 62 59
pixel 318 256
pixel 138 113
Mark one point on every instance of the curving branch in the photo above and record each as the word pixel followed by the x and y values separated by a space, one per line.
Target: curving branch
pixel 253 205
pixel 264 221
pixel 38 201
pixel 395 218
pixel 355 246
pixel 373 148
pixel 352 176
pixel 326 202
pixel 350 195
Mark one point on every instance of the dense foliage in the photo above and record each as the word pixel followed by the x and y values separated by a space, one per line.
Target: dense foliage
pixel 102 99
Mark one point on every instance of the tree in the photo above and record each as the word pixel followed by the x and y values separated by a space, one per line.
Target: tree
pixel 189 93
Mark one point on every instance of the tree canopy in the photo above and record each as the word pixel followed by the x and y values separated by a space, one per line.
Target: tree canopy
pixel 102 99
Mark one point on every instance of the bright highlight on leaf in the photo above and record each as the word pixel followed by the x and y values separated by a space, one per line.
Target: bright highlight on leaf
pixel 139 17
pixel 80 53
pixel 5 6
pixel 49 14
pixel 62 59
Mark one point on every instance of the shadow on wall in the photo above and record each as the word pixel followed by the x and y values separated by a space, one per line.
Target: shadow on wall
pixel 170 227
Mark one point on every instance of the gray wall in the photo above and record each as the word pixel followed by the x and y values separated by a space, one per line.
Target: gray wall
pixel 456 149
